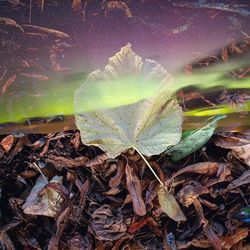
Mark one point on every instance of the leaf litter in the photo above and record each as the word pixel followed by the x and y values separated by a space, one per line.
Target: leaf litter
pixel 199 196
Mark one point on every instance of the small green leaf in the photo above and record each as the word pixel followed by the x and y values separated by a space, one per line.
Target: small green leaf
pixel 194 140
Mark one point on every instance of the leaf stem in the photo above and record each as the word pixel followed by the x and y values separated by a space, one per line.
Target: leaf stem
pixel 147 163
pixel 39 170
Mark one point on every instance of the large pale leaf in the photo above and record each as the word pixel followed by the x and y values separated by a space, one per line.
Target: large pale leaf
pixel 151 122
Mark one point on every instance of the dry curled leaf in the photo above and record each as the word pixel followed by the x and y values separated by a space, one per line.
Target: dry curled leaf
pixel 244 179
pixel 78 242
pixel 7 143
pixel 44 30
pixel 212 237
pixel 106 225
pixel 60 225
pixel 232 239
pixel 61 162
pixel 207 168
pixel 224 55
pixel 117 7
pixel 8 83
pixel 4 21
pixel 170 206
pixel 135 190
pixel 239 144
pixel 189 193
pixel 116 180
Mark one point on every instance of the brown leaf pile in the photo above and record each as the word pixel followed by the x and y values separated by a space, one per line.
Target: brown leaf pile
pixel 116 203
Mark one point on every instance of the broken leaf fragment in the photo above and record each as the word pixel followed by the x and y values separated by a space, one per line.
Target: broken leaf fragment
pixel 239 144
pixel 170 206
pixel 106 225
pixel 45 198
pixel 148 118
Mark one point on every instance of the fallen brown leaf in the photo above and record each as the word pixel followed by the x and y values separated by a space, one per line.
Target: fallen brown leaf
pixel 212 237
pixel 10 22
pixel 232 239
pixel 106 225
pixel 239 144
pixel 36 76
pixel 7 143
pixel 242 180
pixel 52 32
pixel 117 6
pixel 83 188
pixel 116 180
pixel 61 162
pixel 207 168
pixel 224 55
pixel 191 192
pixel 135 190
pixel 60 225
pixel 135 226
pixel 78 242
pixel 8 83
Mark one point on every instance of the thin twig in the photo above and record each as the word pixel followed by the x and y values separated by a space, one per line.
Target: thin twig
pixel 39 170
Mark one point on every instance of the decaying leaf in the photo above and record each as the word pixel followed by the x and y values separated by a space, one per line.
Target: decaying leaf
pixel 115 180
pixel 10 22
pixel 45 198
pixel 232 239
pixel 149 125
pixel 239 144
pixel 212 237
pixel 61 162
pixel 134 188
pixel 8 83
pixel 170 206
pixel 117 7
pixel 44 30
pixel 189 193
pixel 224 55
pixel 106 225
pixel 36 76
pixel 208 168
pixel 76 5
pixel 78 242
pixel 193 140
pixel 7 143
pixel 60 225
pixel 244 179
